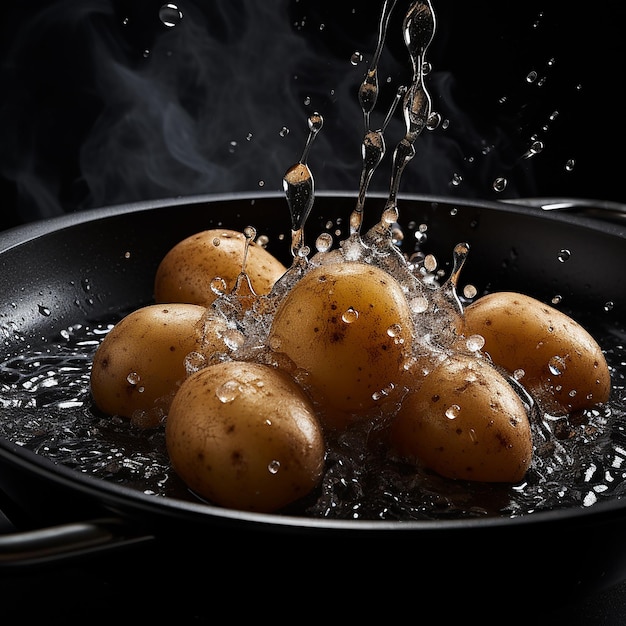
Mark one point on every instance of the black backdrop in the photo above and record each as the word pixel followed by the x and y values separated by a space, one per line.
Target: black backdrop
pixel 102 103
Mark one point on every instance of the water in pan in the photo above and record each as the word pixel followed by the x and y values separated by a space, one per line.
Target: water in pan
pixel 578 460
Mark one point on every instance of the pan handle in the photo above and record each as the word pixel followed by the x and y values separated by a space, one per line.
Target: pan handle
pixel 66 541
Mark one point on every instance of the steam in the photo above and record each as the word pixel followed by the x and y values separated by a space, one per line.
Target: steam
pixel 217 102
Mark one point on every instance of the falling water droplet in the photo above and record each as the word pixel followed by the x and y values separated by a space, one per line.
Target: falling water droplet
pixel 499 184
pixel 535 148
pixel 430 262
pixel 356 58
pixel 564 255
pixel 324 242
pixel 170 15
pixel 434 120
pixel 469 291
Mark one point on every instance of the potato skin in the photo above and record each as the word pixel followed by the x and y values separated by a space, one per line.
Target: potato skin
pixel 186 271
pixel 245 436
pixel 563 364
pixel 140 362
pixel 348 325
pixel 466 422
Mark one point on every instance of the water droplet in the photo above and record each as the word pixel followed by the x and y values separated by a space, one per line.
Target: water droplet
pixel 531 77
pixel 475 343
pixel 609 306
pixel 556 365
pixel 44 310
pixel 170 15
pixel 395 331
pixel 518 374
pixel 457 179
pixel 419 304
pixel 273 466
pixel 324 242
pixel 430 262
pixel 350 316
pixel 469 291
pixel 499 184
pixel 234 339
pixel 569 165
pixel 218 286
pixel 557 299
pixel 453 411
pixel 433 121
pixel 564 255
pixel 284 131
pixel 227 391
pixel 535 148
pixel 133 378
pixel 356 58
pixel 397 236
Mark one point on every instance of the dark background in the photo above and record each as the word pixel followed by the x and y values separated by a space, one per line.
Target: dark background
pixel 101 103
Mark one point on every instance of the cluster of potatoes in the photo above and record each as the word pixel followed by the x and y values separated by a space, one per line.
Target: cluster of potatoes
pixel 251 434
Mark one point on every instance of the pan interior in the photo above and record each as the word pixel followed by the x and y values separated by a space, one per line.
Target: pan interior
pixel 52 333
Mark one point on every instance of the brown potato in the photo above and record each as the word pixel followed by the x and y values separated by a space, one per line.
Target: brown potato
pixel 465 421
pixel 141 361
pixel 348 326
pixel 562 364
pixel 245 436
pixel 187 270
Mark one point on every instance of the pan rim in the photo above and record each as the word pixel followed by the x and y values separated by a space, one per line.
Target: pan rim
pixel 23 233
pixel 116 494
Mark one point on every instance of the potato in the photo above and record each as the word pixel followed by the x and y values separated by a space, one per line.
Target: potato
pixel 562 364
pixel 245 436
pixel 141 361
pixel 348 326
pixel 187 270
pixel 465 421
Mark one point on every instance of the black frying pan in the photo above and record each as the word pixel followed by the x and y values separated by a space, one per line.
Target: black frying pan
pixel 90 265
